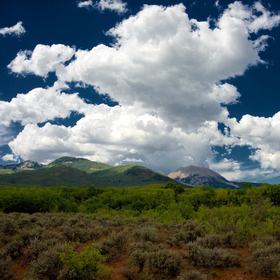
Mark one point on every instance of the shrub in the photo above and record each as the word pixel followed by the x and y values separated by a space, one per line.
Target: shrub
pixel 4 267
pixel 74 233
pixel 266 257
pixel 27 235
pixel 147 233
pixel 37 246
pixel 8 226
pixel 48 265
pixel 210 241
pixel 87 264
pixel 266 265
pixel 14 248
pixel 164 262
pixel 193 275
pixel 215 257
pixel 139 258
pixel 189 232
pixel 262 242
pixel 113 246
pixel 216 240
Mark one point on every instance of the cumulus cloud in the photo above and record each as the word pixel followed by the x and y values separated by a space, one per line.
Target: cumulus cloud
pixel 113 5
pixel 166 71
pixel 116 135
pixel 42 60
pixel 261 133
pixel 6 134
pixel 16 29
pixel 40 105
pixel 178 65
pixel 9 157
pixel 228 168
pixel 85 4
pixel 117 6
pixel 267 20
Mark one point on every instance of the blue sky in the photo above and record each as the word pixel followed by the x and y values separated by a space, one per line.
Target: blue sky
pixel 160 128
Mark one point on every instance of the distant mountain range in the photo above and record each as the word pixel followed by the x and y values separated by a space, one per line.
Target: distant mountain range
pixel 79 172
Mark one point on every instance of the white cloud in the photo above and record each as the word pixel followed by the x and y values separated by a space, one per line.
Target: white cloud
pixel 267 20
pixel 166 72
pixel 177 67
pixel 85 4
pixel 16 29
pixel 225 94
pixel 6 134
pixel 42 60
pixel 235 171
pixel 114 5
pixel 262 134
pixel 217 4
pixel 40 105
pixel 9 157
pixel 116 134
pixel 228 168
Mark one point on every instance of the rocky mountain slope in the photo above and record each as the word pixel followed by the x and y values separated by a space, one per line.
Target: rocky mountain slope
pixel 201 176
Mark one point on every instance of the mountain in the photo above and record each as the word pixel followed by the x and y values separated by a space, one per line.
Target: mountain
pixel 52 176
pixel 17 167
pixel 78 172
pixel 79 163
pixel 28 165
pixel 201 176
pixel 128 175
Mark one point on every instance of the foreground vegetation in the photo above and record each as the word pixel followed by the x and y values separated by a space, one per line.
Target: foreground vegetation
pixel 156 232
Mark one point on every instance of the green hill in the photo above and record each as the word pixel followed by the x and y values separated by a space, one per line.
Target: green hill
pixel 79 163
pixel 5 171
pixel 52 176
pixel 79 172
pixel 128 175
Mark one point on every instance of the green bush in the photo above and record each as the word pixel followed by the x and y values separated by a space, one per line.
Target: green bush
pixel 86 264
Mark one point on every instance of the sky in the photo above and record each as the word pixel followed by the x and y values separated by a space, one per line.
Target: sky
pixel 163 84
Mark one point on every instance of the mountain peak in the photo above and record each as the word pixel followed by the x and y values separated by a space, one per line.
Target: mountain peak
pixel 200 176
pixel 28 165
pixel 82 164
pixel 67 159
